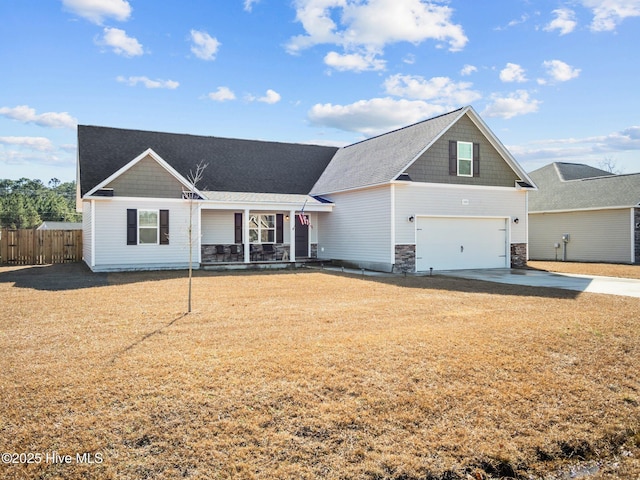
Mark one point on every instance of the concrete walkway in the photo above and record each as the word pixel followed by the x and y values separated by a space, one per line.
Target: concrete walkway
pixel 536 278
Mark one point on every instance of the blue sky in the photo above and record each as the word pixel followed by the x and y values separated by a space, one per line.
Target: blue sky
pixel 555 81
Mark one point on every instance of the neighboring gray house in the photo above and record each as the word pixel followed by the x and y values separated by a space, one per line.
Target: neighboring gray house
pixel 443 194
pixel 48 225
pixel 582 213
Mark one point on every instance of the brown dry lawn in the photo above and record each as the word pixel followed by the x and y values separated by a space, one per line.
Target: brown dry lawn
pixel 310 374
pixel 600 269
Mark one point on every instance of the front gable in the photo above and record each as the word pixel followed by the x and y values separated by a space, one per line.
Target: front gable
pixel 147 178
pixel 433 165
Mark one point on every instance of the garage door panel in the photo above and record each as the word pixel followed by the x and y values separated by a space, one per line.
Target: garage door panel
pixel 459 243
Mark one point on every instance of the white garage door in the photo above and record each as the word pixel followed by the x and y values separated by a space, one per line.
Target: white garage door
pixel 460 243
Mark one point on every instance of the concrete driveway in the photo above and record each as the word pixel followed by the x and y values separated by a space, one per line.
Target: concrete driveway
pixel 536 278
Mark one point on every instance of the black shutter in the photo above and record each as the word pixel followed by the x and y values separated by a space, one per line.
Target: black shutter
pixel 453 157
pixel 279 228
pixel 132 226
pixel 164 227
pixel 238 228
pixel 476 159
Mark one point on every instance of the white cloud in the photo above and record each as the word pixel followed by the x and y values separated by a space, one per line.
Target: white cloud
pixel 355 61
pixel 372 117
pixel 517 103
pixel 148 83
pixel 559 71
pixel 271 97
pixel 468 70
pixel 41 144
pixel 205 47
pixel 26 114
pixel 222 94
pixel 608 14
pixel 121 44
pixel 591 150
pixel 32 151
pixel 97 11
pixel 248 4
pixel 440 90
pixel 373 24
pixel 513 73
pixel 564 22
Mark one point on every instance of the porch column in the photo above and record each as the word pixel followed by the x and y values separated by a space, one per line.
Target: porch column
pixel 245 236
pixel 292 236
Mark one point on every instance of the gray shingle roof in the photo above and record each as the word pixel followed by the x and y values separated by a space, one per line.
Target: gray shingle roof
pixel 234 165
pixel 381 159
pixel 566 186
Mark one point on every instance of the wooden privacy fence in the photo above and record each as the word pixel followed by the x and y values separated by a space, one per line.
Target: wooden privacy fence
pixel 39 247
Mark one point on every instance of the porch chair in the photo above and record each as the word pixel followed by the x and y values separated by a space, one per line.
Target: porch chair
pixel 236 251
pixel 268 250
pixel 219 252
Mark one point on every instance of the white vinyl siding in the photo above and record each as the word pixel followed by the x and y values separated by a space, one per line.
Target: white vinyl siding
pixel 218 227
pixel 359 228
pixel 112 251
pixel 87 225
pixel 594 236
pixel 456 201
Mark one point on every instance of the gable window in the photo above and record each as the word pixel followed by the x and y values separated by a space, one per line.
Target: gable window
pixel 262 228
pixel 464 159
pixel 147 227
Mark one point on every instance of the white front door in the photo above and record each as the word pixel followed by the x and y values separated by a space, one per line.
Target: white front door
pixel 454 243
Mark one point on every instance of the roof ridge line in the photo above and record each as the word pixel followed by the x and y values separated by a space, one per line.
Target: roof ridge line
pixel 405 127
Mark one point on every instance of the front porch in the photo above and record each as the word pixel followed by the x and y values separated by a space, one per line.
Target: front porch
pixel 267 231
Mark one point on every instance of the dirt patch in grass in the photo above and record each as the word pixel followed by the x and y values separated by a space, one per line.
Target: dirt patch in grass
pixel 600 269
pixel 314 375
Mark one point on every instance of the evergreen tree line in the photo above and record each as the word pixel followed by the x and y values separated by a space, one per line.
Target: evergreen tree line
pixel 27 203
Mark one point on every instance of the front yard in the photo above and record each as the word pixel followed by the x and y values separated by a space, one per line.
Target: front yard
pixel 310 374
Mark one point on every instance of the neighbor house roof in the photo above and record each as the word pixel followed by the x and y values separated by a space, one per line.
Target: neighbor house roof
pixel 570 186
pixel 384 158
pixel 234 165
pixel 60 226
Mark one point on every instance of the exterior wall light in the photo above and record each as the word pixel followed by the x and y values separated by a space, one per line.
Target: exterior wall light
pixel 411 218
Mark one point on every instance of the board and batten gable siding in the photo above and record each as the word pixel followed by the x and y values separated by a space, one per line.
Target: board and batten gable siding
pixel 455 201
pixel 358 229
pixel 433 165
pixel 147 178
pixel 594 236
pixel 112 251
pixel 87 231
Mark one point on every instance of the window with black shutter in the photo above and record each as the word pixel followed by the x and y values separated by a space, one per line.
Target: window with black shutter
pixel 164 227
pixel 132 226
pixel 238 228
pixel 464 159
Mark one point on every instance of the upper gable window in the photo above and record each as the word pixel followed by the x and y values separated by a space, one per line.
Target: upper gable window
pixel 465 159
